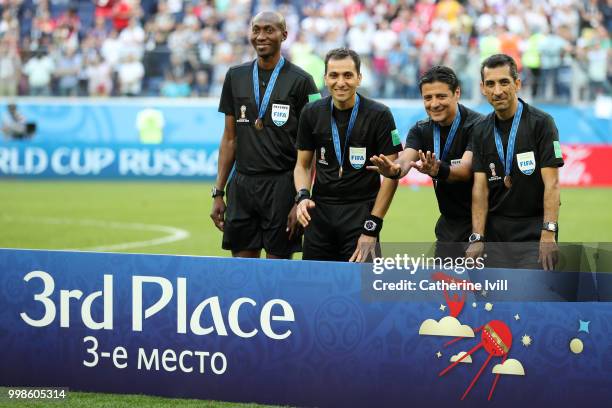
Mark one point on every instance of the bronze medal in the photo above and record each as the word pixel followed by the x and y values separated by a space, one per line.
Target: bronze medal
pixel 258 124
pixel 507 181
pixel 340 173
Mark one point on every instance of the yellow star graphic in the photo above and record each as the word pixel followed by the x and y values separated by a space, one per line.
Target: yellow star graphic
pixel 526 340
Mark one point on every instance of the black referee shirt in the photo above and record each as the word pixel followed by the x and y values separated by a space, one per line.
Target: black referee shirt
pixel 374 132
pixel 272 149
pixel 537 146
pixel 454 198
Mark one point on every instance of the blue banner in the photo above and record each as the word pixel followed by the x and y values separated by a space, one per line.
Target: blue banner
pixel 283 332
pixel 37 160
pixel 123 120
pixel 197 120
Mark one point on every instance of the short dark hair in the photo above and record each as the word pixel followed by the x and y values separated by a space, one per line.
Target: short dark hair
pixel 342 53
pixel 499 60
pixel 440 73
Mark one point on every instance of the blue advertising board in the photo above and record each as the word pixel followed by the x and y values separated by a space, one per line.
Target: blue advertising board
pixel 164 139
pixel 112 121
pixel 282 332
pixel 195 121
pixel 39 160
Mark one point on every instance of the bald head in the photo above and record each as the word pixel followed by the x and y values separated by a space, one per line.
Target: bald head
pixel 268 31
pixel 270 17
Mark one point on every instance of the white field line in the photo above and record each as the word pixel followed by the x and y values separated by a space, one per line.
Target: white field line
pixel 173 234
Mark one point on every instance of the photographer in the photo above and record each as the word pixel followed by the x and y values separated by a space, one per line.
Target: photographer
pixel 15 126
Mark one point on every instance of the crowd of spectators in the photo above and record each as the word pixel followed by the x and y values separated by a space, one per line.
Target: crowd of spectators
pixel 180 48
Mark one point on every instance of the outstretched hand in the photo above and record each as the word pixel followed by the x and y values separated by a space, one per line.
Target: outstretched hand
pixel 428 164
pixel 384 166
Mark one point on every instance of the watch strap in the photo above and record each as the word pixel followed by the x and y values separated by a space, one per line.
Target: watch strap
pixel 372 226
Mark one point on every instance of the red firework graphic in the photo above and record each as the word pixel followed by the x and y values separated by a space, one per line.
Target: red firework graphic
pixel 455 305
pixel 496 338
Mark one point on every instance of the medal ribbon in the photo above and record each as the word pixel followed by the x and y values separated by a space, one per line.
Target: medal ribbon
pixel 449 140
pixel 507 161
pixel 266 98
pixel 340 154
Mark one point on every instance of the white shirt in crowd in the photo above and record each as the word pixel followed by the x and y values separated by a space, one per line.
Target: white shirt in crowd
pixel 39 71
pixel 131 73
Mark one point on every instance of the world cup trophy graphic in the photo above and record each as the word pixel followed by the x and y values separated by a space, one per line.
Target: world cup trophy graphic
pixel 492 167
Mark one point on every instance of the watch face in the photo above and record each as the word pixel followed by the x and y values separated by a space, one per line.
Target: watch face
pixel 370 225
pixel 474 237
pixel 303 193
pixel 215 192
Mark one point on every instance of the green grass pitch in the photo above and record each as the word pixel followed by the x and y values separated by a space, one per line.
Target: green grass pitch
pixel 83 215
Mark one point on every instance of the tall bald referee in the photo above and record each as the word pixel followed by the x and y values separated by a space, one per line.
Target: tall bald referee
pixel 262 102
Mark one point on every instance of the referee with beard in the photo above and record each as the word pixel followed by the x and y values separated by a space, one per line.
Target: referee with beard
pixel 443 144
pixel 517 155
pixel 344 216
pixel 262 101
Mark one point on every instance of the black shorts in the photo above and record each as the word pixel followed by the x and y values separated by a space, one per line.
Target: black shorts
pixel 256 215
pixel 334 230
pixel 513 242
pixel 513 229
pixel 452 235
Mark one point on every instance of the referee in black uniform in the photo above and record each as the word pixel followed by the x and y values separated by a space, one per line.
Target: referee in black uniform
pixel 344 216
pixel 443 144
pixel 516 163
pixel 262 102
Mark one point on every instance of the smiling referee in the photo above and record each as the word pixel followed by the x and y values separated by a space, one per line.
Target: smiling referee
pixel 443 144
pixel 344 216
pixel 262 101
pixel 517 155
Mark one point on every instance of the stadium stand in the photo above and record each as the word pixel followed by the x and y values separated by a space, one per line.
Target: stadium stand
pixel 177 48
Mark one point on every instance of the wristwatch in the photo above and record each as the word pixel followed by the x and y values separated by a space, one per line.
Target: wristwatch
pixel 550 226
pixel 475 237
pixel 216 192
pixel 370 225
pixel 303 194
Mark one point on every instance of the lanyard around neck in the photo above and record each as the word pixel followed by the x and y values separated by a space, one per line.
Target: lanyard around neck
pixel 449 140
pixel 340 154
pixel 261 109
